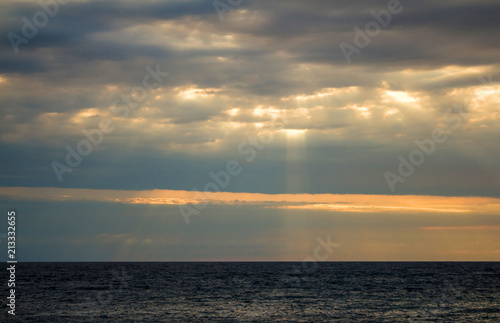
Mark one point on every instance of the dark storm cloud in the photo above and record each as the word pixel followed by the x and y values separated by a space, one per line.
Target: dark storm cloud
pixel 424 34
pixel 263 54
pixel 16 64
pixel 310 31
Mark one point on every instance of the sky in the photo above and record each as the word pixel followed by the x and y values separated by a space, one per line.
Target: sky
pixel 250 130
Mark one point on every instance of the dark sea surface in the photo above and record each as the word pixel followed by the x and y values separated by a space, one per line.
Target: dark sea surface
pixel 256 292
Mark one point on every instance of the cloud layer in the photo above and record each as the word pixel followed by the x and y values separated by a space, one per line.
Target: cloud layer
pixel 229 78
pixel 139 107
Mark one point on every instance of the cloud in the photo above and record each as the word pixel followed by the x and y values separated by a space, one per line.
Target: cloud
pixel 265 56
pixel 329 202
pixel 477 227
pixel 321 172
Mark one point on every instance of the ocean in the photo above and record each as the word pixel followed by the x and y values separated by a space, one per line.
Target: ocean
pixel 256 292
